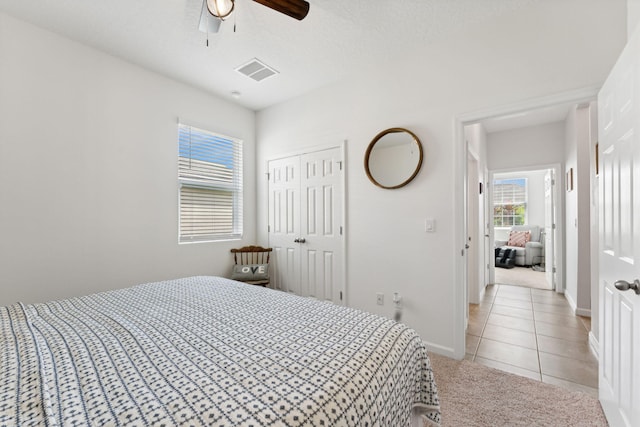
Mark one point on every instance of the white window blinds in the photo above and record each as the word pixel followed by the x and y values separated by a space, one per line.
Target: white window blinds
pixel 210 178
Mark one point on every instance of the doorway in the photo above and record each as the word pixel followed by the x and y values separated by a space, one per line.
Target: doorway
pixel 526 114
pixel 524 214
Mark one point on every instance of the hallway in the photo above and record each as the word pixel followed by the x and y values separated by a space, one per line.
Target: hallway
pixel 533 333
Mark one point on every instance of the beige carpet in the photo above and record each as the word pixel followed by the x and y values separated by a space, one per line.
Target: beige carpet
pixel 521 276
pixel 474 395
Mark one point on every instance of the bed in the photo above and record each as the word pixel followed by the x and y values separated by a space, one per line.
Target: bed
pixel 207 351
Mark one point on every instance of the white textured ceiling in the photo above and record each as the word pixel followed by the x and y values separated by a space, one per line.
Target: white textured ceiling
pixel 338 38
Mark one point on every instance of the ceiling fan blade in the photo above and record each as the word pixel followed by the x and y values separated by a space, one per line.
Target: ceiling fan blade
pixel 297 9
pixel 208 22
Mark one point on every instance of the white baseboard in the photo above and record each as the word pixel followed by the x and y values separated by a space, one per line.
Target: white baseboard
pixel 441 350
pixel 571 302
pixel 585 312
pixel 594 345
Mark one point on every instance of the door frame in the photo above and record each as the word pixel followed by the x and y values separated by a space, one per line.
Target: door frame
pixel 342 146
pixel 558 209
pixel 473 224
pixel 460 189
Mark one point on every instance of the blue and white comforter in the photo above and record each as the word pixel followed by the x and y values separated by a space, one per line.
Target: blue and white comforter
pixel 207 351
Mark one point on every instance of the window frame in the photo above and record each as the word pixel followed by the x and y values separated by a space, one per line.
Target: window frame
pixel 235 187
pixel 524 202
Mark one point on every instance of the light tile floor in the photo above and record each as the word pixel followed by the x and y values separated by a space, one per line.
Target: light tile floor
pixel 533 333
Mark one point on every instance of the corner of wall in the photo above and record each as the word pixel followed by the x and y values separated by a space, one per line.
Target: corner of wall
pixel 441 350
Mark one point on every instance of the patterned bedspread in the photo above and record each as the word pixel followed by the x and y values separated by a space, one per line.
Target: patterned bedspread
pixel 207 351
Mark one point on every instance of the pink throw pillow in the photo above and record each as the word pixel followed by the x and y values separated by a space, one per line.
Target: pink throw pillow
pixel 519 238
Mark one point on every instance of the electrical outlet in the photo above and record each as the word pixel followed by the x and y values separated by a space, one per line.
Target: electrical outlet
pixel 380 298
pixel 396 298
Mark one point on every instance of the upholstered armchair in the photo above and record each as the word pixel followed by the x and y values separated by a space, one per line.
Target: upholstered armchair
pixel 525 240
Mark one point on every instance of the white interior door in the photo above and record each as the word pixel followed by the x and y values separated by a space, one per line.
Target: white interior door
pixel 284 223
pixel 549 228
pixel 321 218
pixel 472 230
pixel 306 231
pixel 619 197
pixel 489 254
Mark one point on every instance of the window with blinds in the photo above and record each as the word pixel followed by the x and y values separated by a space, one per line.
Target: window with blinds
pixel 509 202
pixel 210 178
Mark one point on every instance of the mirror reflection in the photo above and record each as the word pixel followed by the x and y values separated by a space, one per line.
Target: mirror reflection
pixel 393 158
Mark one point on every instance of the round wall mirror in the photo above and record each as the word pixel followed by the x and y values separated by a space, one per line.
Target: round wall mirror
pixel 393 158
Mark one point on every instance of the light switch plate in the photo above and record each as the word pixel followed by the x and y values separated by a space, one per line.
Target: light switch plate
pixel 429 225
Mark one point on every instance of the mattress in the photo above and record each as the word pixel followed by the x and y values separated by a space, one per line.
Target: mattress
pixel 207 351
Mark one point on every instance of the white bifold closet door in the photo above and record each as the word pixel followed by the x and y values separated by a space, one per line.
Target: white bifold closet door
pixel 306 231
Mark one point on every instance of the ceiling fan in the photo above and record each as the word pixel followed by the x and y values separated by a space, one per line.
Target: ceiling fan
pixel 215 11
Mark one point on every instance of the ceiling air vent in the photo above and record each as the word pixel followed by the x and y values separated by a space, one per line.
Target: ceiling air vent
pixel 256 70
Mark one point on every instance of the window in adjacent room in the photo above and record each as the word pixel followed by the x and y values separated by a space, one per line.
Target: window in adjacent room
pixel 210 179
pixel 509 202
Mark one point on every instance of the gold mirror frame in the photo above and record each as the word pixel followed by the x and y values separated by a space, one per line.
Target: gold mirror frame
pixel 377 138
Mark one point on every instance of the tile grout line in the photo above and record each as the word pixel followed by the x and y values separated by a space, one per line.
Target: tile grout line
pixel 535 333
pixel 484 325
pixel 483 338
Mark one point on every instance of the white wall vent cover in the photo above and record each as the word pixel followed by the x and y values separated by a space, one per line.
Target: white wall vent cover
pixel 257 70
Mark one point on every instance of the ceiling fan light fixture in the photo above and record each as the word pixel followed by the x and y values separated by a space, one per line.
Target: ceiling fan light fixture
pixel 220 8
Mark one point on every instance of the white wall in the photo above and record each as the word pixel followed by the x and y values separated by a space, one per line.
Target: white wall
pixel 633 16
pixel 524 148
pixel 577 212
pixel 542 49
pixel 88 169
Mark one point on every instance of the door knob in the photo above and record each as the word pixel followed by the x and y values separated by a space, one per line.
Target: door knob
pixel 299 240
pixel 623 285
